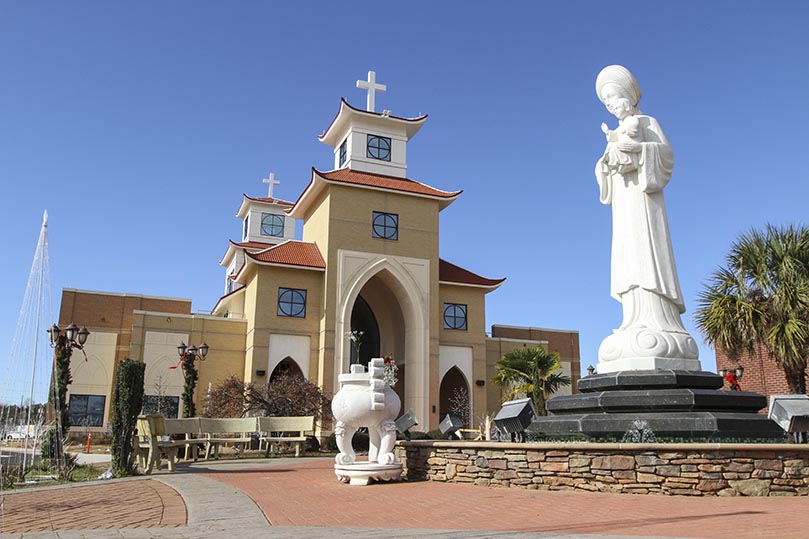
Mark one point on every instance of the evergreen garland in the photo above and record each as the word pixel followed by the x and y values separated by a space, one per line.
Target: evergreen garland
pixel 191 375
pixel 127 401
pixel 53 445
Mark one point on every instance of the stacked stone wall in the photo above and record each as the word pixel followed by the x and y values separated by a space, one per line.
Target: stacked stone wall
pixel 669 469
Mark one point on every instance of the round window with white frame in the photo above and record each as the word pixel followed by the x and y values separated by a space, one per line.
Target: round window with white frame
pixel 272 224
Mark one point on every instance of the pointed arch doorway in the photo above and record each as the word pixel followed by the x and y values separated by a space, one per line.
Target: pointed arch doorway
pixel 377 314
pixel 454 396
pixel 396 296
pixel 365 326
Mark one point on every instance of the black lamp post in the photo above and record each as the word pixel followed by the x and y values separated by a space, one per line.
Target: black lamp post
pixel 188 358
pixel 63 344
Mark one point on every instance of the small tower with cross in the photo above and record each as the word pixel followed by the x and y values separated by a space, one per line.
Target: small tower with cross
pixel 370 141
pixel 264 219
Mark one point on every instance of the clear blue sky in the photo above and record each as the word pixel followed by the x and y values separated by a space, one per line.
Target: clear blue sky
pixel 139 125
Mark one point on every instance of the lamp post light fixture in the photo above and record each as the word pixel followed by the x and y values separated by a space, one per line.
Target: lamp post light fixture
pixel 188 357
pixel 63 344
pixel 732 377
pixel 75 337
pixel 738 372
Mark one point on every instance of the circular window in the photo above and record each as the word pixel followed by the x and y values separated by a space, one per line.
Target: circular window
pixel 386 226
pixel 379 148
pixel 292 302
pixel 454 316
pixel 272 225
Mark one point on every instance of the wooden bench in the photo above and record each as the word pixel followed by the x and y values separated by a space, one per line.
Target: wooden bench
pixel 275 430
pixel 218 431
pixel 151 443
pixel 189 428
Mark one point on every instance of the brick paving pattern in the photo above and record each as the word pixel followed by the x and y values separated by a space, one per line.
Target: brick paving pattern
pixel 125 504
pixel 308 494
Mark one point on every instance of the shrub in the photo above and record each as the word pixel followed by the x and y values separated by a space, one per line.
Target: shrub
pixel 127 401
pixel 285 395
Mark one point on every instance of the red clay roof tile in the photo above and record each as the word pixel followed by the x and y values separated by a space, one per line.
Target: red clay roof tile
pixel 451 273
pixel 293 253
pixel 346 175
pixel 271 200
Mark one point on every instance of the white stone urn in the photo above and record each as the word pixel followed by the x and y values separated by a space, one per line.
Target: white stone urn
pixel 365 400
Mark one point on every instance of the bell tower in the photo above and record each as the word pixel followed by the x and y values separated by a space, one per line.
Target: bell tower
pixel 369 141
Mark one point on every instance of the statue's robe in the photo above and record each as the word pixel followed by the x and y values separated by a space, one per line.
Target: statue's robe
pixel 642 257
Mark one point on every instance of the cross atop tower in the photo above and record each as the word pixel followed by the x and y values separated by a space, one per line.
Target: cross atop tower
pixel 372 87
pixel 272 182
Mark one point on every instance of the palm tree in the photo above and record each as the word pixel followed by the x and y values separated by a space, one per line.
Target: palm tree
pixel 532 371
pixel 761 299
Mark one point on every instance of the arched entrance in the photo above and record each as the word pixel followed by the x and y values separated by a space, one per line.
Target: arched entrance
pixel 454 396
pixel 366 329
pixel 286 366
pixel 396 292
pixel 377 313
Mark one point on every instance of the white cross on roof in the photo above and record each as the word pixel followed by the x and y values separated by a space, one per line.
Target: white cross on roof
pixel 372 87
pixel 272 183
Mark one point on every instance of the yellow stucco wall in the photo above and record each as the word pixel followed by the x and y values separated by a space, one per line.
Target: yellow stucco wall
pixel 264 318
pixel 224 336
pixel 474 337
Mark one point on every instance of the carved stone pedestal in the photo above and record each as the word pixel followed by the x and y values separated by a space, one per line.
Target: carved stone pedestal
pixel 364 400
pixel 676 405
pixel 362 473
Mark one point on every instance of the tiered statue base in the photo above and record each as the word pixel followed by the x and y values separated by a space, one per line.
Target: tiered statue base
pixel 362 473
pixel 676 405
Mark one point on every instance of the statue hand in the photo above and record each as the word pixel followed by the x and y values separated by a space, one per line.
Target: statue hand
pixel 628 147
pixel 604 128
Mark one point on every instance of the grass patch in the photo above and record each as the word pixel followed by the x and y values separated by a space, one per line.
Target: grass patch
pixel 87 473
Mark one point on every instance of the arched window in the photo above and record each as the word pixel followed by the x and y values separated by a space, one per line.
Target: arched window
pixel 454 397
pixel 287 366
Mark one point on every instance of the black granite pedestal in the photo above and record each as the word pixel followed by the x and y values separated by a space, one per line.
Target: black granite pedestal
pixel 676 405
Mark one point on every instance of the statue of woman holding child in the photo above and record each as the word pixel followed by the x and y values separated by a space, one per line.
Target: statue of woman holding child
pixel 635 167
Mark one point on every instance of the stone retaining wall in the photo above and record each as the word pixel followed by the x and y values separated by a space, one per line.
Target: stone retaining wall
pixel 672 469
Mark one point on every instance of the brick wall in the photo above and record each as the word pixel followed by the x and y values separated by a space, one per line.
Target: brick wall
pixel 100 311
pixel 761 373
pixel 564 342
pixel 668 469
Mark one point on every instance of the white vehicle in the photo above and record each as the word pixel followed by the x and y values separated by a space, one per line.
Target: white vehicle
pixel 21 433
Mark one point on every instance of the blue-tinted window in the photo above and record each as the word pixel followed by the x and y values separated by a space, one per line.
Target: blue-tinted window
pixel 246 228
pixel 343 152
pixel 167 406
pixel 292 302
pixel 378 148
pixel 385 226
pixel 86 410
pixel 272 224
pixel 455 316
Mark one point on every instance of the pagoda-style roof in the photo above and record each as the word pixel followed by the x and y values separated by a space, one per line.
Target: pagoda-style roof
pixel 449 273
pixel 261 200
pixel 366 180
pixel 292 253
pixel 234 246
pixel 337 128
pixel 221 301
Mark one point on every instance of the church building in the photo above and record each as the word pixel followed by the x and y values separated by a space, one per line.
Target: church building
pixel 366 266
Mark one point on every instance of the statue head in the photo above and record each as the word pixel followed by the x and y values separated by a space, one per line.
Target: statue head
pixel 618 90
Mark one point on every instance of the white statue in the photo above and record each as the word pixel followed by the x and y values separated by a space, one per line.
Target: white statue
pixel 365 400
pixel 635 167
